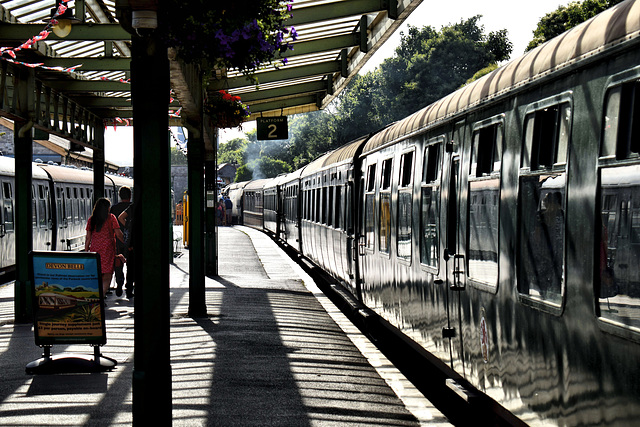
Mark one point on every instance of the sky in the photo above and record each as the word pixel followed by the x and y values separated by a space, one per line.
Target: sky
pixel 518 17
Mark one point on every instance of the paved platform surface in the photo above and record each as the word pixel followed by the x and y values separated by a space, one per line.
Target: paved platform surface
pixel 273 352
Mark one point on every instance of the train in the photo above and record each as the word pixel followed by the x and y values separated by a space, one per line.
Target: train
pixel 497 229
pixel 62 202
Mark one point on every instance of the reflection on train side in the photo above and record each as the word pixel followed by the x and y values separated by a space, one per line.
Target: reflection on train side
pixel 620 245
pixel 542 237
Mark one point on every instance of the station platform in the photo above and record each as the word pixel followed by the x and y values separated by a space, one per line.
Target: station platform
pixel 274 351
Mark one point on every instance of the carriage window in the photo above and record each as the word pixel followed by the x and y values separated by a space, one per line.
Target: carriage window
pixel 430 197
pixel 386 175
pixel 338 204
pixel 369 226
pixel 405 199
pixel 542 196
pixel 484 197
pixel 384 226
pixel 406 169
pixel 618 288
pixel 371 178
pixel 546 137
pixel 7 206
pixel 542 237
pixel 384 235
pixel 324 205
pixel 621 130
pixel 487 150
pixel 42 207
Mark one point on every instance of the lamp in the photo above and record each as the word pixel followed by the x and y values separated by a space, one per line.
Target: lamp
pixel 63 27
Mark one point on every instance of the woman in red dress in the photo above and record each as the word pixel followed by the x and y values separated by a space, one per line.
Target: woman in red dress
pixel 102 230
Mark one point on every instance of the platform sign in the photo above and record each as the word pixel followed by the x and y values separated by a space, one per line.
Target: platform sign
pixel 272 128
pixel 68 300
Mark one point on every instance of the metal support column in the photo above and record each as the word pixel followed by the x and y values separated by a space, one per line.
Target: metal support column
pixel 151 241
pixel 24 82
pixel 98 162
pixel 195 160
pixel 210 179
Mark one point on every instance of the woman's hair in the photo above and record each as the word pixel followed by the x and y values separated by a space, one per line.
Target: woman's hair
pixel 100 213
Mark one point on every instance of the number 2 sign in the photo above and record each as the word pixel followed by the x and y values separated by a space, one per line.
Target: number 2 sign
pixel 272 128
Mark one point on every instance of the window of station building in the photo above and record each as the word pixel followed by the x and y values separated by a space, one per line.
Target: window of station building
pixel 405 202
pixel 430 203
pixel 542 193
pixel 483 202
pixel 7 206
pixel 384 225
pixel 617 284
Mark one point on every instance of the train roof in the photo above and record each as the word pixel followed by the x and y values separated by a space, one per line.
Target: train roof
pixel 258 184
pixel 235 186
pixel 119 180
pixel 615 26
pixel 332 158
pixel 74 175
pixel 8 167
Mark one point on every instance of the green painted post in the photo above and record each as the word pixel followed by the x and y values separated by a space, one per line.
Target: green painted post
pixel 195 160
pixel 150 98
pixel 23 148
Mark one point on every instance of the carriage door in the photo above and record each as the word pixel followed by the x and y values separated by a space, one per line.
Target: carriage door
pixel 453 281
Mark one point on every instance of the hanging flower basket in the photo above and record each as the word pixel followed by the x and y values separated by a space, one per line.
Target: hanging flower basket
pixel 225 110
pixel 241 35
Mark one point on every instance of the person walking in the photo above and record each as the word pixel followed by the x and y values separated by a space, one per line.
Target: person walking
pixel 126 224
pixel 121 247
pixel 102 231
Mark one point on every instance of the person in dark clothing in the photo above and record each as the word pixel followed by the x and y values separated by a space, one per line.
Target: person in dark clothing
pixel 228 204
pixel 126 222
pixel 121 247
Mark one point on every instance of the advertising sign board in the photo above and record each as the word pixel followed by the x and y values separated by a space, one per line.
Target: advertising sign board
pixel 68 300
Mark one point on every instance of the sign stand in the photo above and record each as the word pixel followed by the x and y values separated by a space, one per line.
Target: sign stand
pixel 70 362
pixel 68 309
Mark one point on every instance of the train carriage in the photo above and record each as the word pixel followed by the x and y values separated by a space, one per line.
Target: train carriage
pixel 499 228
pixel 62 202
pixel 253 203
pixel 41 213
pixel 234 192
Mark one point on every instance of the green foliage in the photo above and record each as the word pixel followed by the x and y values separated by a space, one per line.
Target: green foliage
pixel 243 173
pixel 311 135
pixel 233 151
pixel 481 73
pixel 428 65
pixel 178 158
pixel 566 17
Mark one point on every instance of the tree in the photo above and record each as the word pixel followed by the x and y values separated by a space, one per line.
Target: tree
pixel 178 158
pixel 233 151
pixel 311 134
pixel 566 17
pixel 437 63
